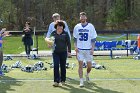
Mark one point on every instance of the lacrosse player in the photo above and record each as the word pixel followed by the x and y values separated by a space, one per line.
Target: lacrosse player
pixel 84 40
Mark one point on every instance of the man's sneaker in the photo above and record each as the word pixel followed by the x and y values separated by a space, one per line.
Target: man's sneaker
pixel 63 83
pixel 60 84
pixel 81 83
pixel 56 84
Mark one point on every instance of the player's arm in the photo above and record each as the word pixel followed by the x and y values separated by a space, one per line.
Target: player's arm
pixel 75 39
pixel 0 40
pixel 67 29
pixel 93 38
pixel 50 30
pixel 93 43
pixel 93 46
pixel 4 33
pixel 75 43
pixel 93 33
pixel 68 45
pixel 48 36
pixel 75 46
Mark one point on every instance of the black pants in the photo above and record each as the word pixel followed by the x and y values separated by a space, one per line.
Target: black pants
pixel 1 58
pixel 59 59
pixel 27 49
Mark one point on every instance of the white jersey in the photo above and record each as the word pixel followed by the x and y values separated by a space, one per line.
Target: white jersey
pixel 84 34
pixel 51 29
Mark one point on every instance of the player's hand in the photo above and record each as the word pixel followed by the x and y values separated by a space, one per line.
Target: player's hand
pixel 76 50
pixel 49 46
pixel 3 29
pixel 6 34
pixel 69 55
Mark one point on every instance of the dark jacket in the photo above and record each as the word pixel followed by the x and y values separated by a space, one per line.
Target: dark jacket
pixel 62 42
pixel 27 39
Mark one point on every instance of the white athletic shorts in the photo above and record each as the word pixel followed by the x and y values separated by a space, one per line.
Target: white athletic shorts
pixel 84 55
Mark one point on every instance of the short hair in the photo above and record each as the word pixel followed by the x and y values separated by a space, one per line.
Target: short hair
pixel 82 13
pixel 28 23
pixel 59 23
pixel 55 15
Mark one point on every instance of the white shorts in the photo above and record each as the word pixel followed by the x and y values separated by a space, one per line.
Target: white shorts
pixel 84 55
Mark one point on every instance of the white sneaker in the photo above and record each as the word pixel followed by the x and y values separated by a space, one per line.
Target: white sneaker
pixel 56 84
pixel 63 83
pixel 81 83
pixel 60 84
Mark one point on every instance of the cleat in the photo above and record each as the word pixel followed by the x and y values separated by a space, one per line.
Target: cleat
pixel 81 83
pixel 56 84
pixel 63 83
pixel 60 84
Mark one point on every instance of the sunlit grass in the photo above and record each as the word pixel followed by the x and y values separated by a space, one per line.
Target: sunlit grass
pixel 123 68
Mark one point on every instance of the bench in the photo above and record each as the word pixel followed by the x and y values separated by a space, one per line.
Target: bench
pixel 116 45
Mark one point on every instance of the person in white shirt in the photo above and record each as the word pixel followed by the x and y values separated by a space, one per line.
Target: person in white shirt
pixel 84 35
pixel 56 17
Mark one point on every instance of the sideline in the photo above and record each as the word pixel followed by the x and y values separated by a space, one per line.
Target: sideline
pixel 95 79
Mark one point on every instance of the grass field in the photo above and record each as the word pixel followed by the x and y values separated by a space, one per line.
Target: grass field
pixel 122 76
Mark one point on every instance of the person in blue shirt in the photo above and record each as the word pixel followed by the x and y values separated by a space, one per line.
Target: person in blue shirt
pixel 1 56
pixel 51 28
pixel 2 34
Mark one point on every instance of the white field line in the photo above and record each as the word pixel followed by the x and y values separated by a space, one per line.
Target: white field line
pixel 95 79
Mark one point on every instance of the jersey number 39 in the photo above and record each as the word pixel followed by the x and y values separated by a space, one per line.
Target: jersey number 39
pixel 83 36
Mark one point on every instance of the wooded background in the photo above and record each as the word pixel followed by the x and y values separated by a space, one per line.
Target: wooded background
pixel 104 14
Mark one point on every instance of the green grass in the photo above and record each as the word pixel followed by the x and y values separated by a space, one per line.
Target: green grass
pixel 122 68
pixel 14 44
